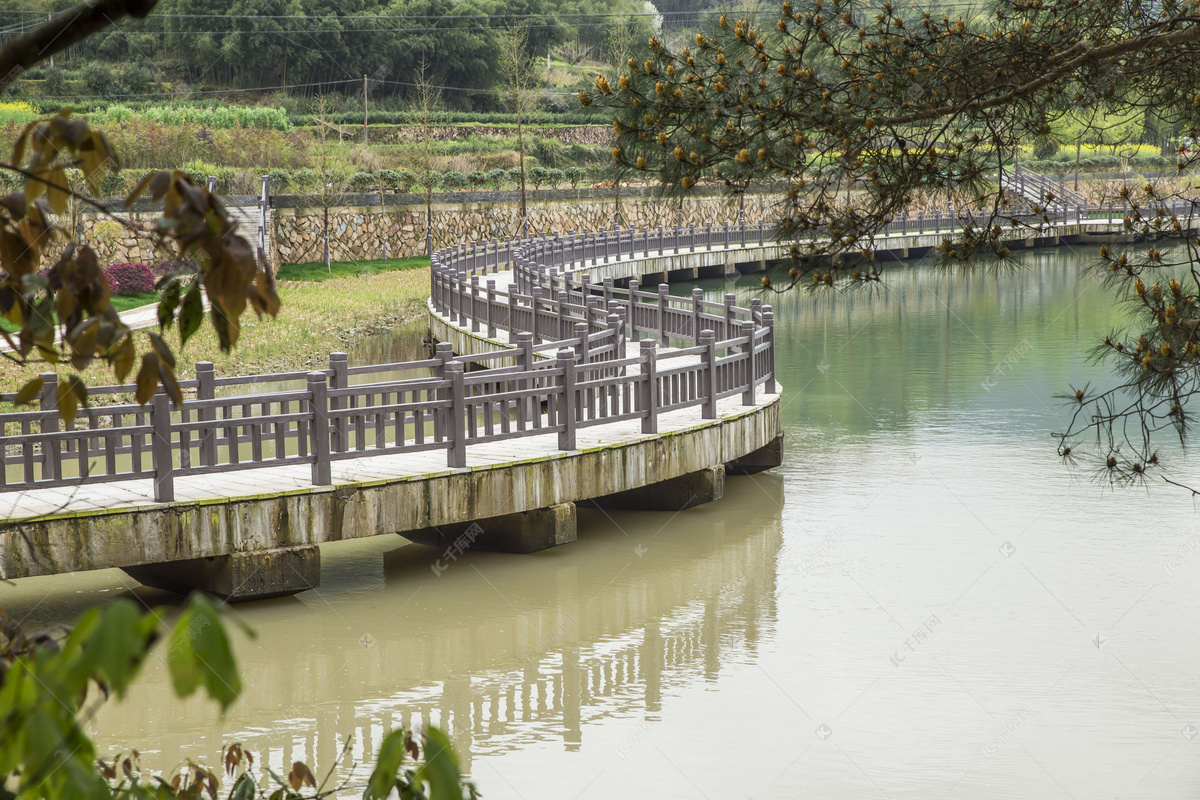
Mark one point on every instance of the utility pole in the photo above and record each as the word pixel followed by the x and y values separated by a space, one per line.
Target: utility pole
pixel 364 110
pixel 50 17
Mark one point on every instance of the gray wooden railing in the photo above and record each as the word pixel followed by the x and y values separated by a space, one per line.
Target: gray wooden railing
pixel 569 363
pixel 567 368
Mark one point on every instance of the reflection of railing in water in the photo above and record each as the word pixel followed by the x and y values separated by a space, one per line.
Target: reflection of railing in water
pixel 577 651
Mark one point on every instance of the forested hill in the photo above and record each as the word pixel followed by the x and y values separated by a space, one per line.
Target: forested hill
pixel 273 43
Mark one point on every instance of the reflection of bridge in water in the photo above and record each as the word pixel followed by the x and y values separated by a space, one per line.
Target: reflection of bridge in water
pixel 502 661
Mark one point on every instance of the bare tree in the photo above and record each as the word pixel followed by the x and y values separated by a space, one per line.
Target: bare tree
pixel 519 71
pixel 330 182
pixel 428 98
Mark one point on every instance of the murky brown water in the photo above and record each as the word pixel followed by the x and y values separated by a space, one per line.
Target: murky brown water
pixel 922 602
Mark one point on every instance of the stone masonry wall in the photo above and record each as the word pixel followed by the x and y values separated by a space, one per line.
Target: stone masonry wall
pixel 361 232
pixel 361 229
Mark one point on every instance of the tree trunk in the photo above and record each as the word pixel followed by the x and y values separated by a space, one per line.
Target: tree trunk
pixel 521 162
pixel 1078 148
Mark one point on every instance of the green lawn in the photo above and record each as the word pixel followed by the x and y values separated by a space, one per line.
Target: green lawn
pixel 133 301
pixel 119 304
pixel 316 271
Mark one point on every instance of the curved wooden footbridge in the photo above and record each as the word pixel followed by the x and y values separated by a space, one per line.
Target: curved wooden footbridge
pixel 528 406
pixel 557 379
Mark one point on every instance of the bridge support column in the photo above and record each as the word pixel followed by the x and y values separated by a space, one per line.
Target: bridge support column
pixel 764 458
pixel 676 494
pixel 238 576
pixel 731 270
pixel 522 532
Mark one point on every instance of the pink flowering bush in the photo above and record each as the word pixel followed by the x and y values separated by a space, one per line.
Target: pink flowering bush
pixel 128 278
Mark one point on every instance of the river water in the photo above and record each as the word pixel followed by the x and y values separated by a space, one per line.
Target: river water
pixel 922 602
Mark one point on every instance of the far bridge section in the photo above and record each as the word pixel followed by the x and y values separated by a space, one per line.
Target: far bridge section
pixel 1039 190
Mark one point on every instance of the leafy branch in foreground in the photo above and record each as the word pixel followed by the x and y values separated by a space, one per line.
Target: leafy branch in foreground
pixel 852 112
pixel 64 313
pixel 53 681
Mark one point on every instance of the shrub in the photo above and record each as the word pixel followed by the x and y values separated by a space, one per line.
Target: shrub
pixel 113 184
pixel 137 78
pixel 56 81
pixel 128 278
pixel 477 179
pixel 278 179
pixel 99 80
pixel 495 177
pixel 575 175
pixel 556 177
pixel 362 182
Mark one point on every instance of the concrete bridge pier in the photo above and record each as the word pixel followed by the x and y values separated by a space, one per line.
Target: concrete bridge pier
pixel 675 494
pixel 764 458
pixel 235 577
pixel 521 532
pixel 731 270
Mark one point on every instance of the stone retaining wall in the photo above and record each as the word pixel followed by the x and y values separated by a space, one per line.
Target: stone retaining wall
pixel 363 229
pixel 362 232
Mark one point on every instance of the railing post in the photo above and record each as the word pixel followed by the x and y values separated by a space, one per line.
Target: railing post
pixel 339 378
pixel 318 408
pixel 582 331
pixel 160 449
pixel 51 459
pixel 631 321
pixel 511 323
pixel 649 387
pixel 708 339
pixel 474 304
pixel 660 240
pixel 206 390
pixel 748 349
pixel 768 321
pixel 536 295
pixel 525 406
pixel 443 353
pixel 664 300
pixel 697 309
pixel 456 454
pixel 562 332
pixel 616 333
pixel 566 404
pixel 608 291
pixel 491 302
pixel 730 316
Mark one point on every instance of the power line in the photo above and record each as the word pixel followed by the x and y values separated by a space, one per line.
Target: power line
pixel 466 89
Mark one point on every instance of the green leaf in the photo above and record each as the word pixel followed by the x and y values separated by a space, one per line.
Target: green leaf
pixel 243 789
pixel 383 777
pixel 440 769
pixel 118 643
pixel 192 313
pixel 167 305
pixel 199 654
pixel 29 392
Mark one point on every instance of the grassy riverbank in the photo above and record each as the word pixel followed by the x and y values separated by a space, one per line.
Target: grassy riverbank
pixel 317 317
